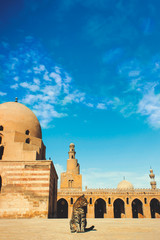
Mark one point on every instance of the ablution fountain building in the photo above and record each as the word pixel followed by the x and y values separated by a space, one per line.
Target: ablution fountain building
pixel 28 182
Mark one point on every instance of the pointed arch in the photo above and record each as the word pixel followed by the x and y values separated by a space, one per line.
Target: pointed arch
pixel 137 208
pixel 99 208
pixel 62 208
pixel 119 208
pixel 155 208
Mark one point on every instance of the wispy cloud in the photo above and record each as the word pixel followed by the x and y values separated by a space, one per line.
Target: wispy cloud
pixel 40 82
pixel 149 106
pixel 44 86
pixel 101 106
pixel 3 94
pixel 98 178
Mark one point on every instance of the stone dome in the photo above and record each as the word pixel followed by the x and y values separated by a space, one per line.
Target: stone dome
pixel 124 185
pixel 15 116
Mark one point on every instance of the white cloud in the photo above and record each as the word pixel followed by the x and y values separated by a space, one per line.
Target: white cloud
pixel 89 105
pixel 46 112
pixel 14 86
pixel 76 96
pixel 16 78
pixel 149 106
pixel 57 69
pixel 2 94
pixel 134 73
pixel 98 178
pixel 56 77
pixel 31 87
pixel 36 81
pixel 39 69
pixel 46 76
pixel 101 106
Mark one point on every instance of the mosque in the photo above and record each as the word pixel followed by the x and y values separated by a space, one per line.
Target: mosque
pixel 28 182
pixel 123 202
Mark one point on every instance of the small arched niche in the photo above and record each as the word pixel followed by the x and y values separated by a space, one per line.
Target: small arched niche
pixel 27 132
pixel 28 140
pixel 1 128
pixel 1 152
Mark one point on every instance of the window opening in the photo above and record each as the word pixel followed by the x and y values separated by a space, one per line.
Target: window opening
pixel 27 132
pixel 1 128
pixel 71 200
pixel 1 152
pixel 109 200
pixel 28 140
pixel 90 201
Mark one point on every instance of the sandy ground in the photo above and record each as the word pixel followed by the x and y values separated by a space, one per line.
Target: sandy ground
pixel 37 229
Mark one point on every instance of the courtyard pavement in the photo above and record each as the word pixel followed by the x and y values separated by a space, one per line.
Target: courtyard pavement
pixel 47 229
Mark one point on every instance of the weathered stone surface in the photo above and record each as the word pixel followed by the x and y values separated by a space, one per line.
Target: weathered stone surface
pixel 105 229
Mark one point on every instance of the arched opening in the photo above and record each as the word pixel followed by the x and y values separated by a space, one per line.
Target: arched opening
pixel 99 208
pixel 27 132
pixel 0 183
pixel 145 200
pixel 137 209
pixel 155 208
pixel 90 201
pixel 0 139
pixel 71 200
pixel 1 152
pixel 119 210
pixel 62 208
pixel 1 128
pixel 28 140
pixel 70 183
pixel 127 200
pixel 109 200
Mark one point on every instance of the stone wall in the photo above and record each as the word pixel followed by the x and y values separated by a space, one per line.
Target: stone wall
pixel 26 188
pixel 109 196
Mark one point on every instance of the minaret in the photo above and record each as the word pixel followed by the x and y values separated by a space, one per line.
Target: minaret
pixel 72 164
pixel 152 177
pixel 71 179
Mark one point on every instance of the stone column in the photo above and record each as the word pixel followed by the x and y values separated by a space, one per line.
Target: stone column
pixel 146 211
pixel 128 210
pixel 90 211
pixel 70 208
pixel 110 210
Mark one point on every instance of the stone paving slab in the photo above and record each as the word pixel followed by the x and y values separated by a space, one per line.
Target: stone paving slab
pixel 106 229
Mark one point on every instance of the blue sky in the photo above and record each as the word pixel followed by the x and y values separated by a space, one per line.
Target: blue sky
pixel 90 70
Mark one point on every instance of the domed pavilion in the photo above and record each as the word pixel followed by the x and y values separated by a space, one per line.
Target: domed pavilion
pixel 28 182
